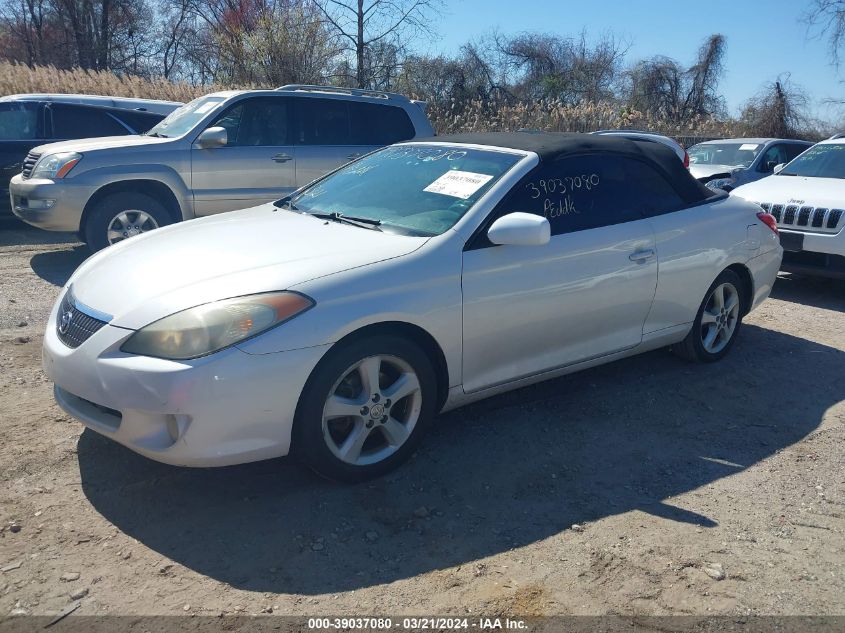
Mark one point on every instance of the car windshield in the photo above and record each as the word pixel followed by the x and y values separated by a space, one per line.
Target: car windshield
pixel 410 189
pixel 734 154
pixel 183 119
pixel 825 160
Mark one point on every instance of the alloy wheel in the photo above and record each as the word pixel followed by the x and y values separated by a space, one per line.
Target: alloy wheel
pixel 129 223
pixel 371 410
pixel 719 319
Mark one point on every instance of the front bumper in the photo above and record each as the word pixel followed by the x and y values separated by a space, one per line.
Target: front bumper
pixel 815 264
pixel 5 204
pixel 820 254
pixel 54 205
pixel 227 408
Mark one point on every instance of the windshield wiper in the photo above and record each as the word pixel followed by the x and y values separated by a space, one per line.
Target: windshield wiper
pixel 365 223
pixel 156 134
pixel 285 203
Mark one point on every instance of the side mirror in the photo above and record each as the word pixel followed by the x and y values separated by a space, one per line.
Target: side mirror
pixel 212 137
pixel 520 229
pixel 771 165
pixel 779 168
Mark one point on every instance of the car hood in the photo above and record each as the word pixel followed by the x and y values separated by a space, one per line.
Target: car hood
pixel 105 142
pixel 706 171
pixel 148 277
pixel 817 192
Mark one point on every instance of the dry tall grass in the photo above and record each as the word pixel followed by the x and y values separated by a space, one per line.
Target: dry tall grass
pixel 475 116
pixel 19 78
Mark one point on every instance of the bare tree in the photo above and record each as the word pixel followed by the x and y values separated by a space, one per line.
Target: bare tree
pixel 92 34
pixel 366 24
pixel 542 66
pixel 25 22
pixel 266 42
pixel 828 18
pixel 664 87
pixel 779 110
pixel 175 30
pixel 288 45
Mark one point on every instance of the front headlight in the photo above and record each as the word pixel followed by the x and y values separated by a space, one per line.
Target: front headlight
pixel 213 326
pixel 55 165
pixel 721 183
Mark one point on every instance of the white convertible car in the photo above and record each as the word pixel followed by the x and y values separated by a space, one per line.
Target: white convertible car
pixel 336 323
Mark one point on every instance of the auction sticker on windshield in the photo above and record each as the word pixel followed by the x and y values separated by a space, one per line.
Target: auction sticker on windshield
pixel 206 107
pixel 458 184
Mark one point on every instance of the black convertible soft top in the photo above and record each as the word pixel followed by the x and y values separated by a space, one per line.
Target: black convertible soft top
pixel 550 146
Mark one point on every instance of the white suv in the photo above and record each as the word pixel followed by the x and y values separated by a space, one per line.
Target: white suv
pixel 807 198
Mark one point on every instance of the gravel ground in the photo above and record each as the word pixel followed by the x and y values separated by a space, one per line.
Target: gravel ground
pixel 648 486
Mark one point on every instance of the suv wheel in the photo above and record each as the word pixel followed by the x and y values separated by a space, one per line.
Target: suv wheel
pixel 121 216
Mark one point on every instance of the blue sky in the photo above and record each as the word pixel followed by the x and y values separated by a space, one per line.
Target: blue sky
pixel 764 37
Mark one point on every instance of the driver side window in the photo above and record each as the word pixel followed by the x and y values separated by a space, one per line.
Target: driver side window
pixel 775 155
pixel 257 122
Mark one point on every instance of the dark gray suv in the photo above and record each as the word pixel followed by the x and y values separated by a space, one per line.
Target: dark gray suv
pixel 28 120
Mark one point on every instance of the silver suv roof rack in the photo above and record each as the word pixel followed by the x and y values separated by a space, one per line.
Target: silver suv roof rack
pixel 356 92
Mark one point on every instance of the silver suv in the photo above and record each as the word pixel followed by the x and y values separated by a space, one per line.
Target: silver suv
pixel 221 152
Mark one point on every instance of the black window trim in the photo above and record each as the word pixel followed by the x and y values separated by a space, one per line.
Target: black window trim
pixel 478 239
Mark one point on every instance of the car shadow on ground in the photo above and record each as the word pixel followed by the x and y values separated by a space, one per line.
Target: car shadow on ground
pixel 13 232
pixel 56 267
pixel 818 292
pixel 493 476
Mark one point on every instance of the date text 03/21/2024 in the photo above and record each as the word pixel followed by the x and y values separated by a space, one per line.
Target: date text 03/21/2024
pixel 416 624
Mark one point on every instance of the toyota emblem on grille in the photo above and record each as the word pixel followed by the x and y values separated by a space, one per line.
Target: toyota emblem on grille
pixel 65 321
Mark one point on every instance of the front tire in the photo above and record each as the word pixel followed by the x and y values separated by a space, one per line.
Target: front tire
pixel 717 323
pixel 120 216
pixel 365 408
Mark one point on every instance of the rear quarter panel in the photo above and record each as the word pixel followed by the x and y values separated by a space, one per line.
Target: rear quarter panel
pixel 694 245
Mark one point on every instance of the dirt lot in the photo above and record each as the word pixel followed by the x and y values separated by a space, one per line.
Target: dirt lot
pixel 623 489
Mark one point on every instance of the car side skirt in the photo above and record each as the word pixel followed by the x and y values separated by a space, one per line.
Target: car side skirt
pixel 654 340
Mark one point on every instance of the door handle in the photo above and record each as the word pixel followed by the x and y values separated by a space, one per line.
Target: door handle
pixel 352 156
pixel 281 158
pixel 642 255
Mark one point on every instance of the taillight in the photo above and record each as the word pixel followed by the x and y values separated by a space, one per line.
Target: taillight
pixel 686 159
pixel 769 220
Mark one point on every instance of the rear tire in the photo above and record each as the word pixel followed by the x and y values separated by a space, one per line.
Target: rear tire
pixel 717 322
pixel 365 408
pixel 123 215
